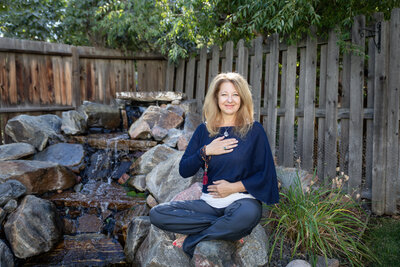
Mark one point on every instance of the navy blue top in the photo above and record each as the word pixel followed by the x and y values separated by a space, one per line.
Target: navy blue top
pixel 250 162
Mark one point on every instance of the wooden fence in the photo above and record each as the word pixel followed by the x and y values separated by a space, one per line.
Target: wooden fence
pixel 324 109
pixel 39 77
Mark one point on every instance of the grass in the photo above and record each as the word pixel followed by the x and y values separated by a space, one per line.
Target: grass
pixel 322 221
pixel 383 238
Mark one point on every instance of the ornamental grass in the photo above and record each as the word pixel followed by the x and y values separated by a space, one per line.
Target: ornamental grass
pixel 322 221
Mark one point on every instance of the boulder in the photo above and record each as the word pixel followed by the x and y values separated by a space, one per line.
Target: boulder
pixel 214 253
pixel 151 201
pixel 16 151
pixel 3 215
pixel 159 133
pixel 172 138
pixel 33 228
pixel 322 262
pixel 99 115
pixel 124 218
pixel 288 176
pixel 37 176
pixel 192 120
pixel 151 158
pixel 157 250
pixel 138 182
pixel 150 96
pixel 164 181
pixel 189 106
pixel 6 257
pixel 11 189
pixel 176 108
pixel 11 205
pixel 253 251
pixel 137 231
pixel 169 119
pixel 298 263
pixel 67 155
pixel 140 130
pixel 74 122
pixel 192 193
pixel 35 130
pixel 183 141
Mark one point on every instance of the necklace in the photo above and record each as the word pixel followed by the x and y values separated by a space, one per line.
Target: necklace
pixel 226 134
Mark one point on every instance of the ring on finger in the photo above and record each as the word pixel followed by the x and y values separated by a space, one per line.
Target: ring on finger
pixel 226 148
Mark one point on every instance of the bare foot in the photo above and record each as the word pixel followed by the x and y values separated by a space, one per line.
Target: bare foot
pixel 179 241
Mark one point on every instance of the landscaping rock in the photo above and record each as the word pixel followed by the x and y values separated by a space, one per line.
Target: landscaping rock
pixel 189 106
pixel 16 151
pixel 192 121
pixel 11 205
pixel 33 228
pixel 164 181
pixel 37 176
pixel 159 133
pixel 67 155
pixel 183 142
pixel 172 138
pixel 214 253
pixel 137 231
pixel 151 201
pixel 3 215
pixel 288 176
pixel 150 96
pixel 124 218
pixel 151 158
pixel 192 193
pixel 169 119
pixel 89 223
pixel 138 182
pixel 329 263
pixel 140 130
pixel 298 263
pixel 157 250
pixel 99 115
pixel 177 109
pixel 74 122
pixel 11 189
pixel 6 257
pixel 254 250
pixel 35 130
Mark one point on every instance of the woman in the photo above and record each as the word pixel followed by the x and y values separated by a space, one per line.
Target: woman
pixel 239 170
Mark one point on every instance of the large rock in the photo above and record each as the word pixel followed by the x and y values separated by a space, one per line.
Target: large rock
pixel 192 120
pixel 150 96
pixel 124 218
pixel 298 263
pixel 67 155
pixel 35 130
pixel 74 122
pixel 289 176
pixel 252 252
pixel 16 151
pixel 37 176
pixel 99 115
pixel 33 228
pixel 154 116
pixel 138 229
pixel 172 137
pixel 151 158
pixel 157 250
pixel 164 181
pixel 6 257
pixel 11 189
pixel 192 193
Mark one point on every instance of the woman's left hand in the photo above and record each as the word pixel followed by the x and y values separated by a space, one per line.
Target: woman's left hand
pixel 222 188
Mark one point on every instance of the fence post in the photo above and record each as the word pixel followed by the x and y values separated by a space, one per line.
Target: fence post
pixel 392 163
pixel 76 90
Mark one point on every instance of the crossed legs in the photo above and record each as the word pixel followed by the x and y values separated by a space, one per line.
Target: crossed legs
pixel 202 222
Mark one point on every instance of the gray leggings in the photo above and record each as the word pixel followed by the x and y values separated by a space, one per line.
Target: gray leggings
pixel 201 222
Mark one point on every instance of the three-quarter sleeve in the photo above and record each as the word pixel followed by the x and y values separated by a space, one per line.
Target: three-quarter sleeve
pixel 191 160
pixel 262 183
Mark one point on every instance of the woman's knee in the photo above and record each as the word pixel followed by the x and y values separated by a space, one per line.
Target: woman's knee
pixel 155 217
pixel 248 214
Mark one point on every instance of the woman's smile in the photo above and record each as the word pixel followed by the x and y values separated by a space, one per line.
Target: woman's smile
pixel 228 99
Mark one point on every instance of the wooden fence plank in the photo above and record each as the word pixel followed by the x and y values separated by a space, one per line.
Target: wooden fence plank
pixel 180 76
pixel 392 163
pixel 76 94
pixel 214 64
pixel 12 82
pixel 356 109
pixel 4 99
pixel 309 95
pixel 57 79
pixel 344 122
pixel 256 76
pixel 321 104
pixel 380 120
pixel 290 102
pixel 282 100
pixel 273 91
pixel 242 63
pixel 68 78
pixel 332 79
pixel 201 82
pixel 170 77
pixel 43 81
pixel 370 124
pixel 266 81
pixel 50 80
pixel 228 57
pixel 300 120
pixel 190 77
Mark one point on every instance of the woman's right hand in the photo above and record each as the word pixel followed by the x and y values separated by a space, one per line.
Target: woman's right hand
pixel 221 146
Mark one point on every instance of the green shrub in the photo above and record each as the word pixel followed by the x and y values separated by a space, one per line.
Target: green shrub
pixel 323 221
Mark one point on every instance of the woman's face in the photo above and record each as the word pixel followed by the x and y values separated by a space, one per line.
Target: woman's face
pixel 228 99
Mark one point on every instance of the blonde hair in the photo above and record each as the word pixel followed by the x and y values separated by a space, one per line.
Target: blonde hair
pixel 212 113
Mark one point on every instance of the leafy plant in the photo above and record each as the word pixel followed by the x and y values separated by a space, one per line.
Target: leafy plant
pixel 135 194
pixel 322 221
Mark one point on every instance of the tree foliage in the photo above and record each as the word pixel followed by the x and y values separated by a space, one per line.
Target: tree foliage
pixel 178 27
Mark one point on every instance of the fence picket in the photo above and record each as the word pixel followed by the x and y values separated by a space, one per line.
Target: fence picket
pixel 344 122
pixel 282 98
pixel 228 66
pixel 332 80
pixel 321 105
pixel 180 75
pixel 201 82
pixel 356 109
pixel 190 78
pixel 256 77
